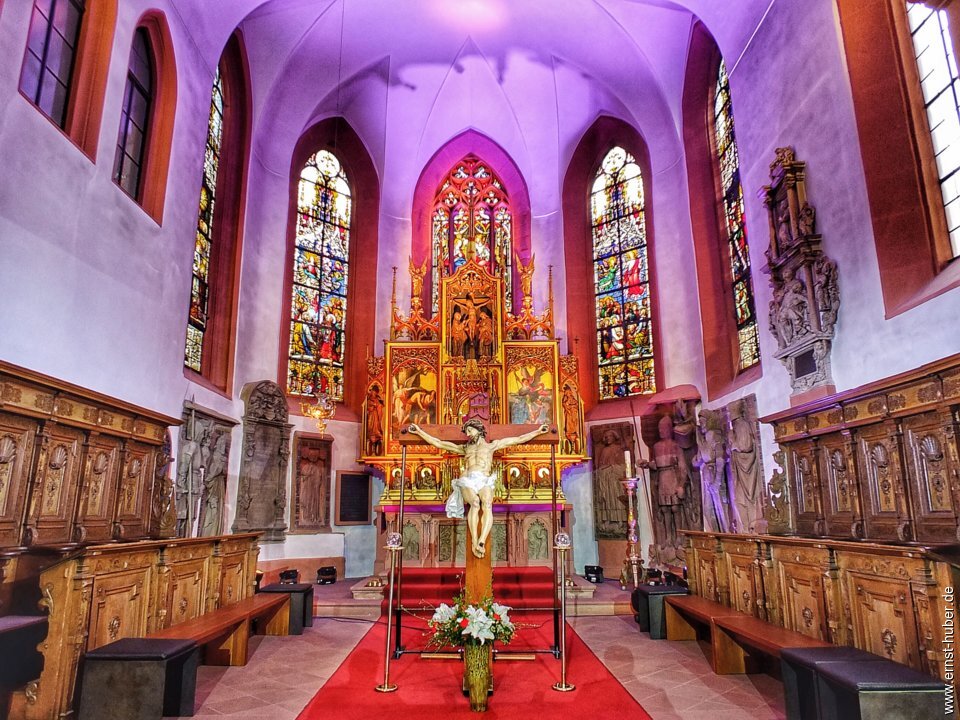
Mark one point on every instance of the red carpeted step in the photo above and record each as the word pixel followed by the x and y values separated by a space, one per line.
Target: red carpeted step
pixel 521 588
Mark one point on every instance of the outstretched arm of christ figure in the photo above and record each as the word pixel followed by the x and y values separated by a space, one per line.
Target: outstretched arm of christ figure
pixel 435 441
pixel 520 439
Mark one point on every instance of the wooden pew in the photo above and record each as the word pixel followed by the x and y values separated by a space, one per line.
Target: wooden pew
pixel 738 638
pixel 225 632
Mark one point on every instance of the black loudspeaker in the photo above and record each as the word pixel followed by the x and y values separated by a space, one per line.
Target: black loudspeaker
pixel 289 577
pixel 593 573
pixel 327 575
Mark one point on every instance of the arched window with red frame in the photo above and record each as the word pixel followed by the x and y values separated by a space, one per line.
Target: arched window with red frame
pixel 621 278
pixel 329 319
pixel 211 322
pixel 611 278
pixel 65 65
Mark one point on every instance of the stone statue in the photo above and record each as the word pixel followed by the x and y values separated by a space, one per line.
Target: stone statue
pixel 215 485
pixel 743 440
pixel 189 463
pixel 475 486
pixel 711 460
pixel 671 482
pixel 791 314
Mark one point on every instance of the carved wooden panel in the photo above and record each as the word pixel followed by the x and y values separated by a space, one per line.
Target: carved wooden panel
pixel 927 439
pixel 56 483
pixel 882 616
pixel 882 488
pixel 842 515
pixel 233 577
pixel 98 489
pixel 708 570
pixel 17 436
pixel 185 578
pixel 743 579
pixel 134 493
pixel 800 589
pixel 119 606
pixel 802 467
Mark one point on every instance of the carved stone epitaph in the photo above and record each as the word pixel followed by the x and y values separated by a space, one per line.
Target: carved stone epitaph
pixel 202 472
pixel 806 295
pixel 262 498
pixel 610 442
pixel 310 501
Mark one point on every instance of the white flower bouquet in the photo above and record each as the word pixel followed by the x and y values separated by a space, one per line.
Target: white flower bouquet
pixel 462 624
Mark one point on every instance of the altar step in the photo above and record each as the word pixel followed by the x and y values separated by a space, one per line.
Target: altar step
pixel 521 588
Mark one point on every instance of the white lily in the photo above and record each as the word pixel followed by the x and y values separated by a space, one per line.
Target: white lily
pixel 443 614
pixel 479 625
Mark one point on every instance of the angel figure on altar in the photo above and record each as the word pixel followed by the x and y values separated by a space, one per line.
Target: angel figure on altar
pixel 475 486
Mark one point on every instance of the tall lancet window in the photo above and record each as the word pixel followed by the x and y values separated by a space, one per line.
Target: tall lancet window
pixel 939 81
pixel 318 307
pixel 135 115
pixel 472 215
pixel 200 289
pixel 734 223
pixel 621 278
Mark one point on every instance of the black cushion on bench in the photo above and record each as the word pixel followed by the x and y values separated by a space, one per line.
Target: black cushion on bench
pixel 142 649
pixel 884 675
pixel 809 656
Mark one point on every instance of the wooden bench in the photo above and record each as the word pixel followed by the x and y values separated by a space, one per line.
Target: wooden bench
pixel 738 638
pixel 225 631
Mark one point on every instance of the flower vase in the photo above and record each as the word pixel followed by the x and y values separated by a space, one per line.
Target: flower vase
pixel 476 675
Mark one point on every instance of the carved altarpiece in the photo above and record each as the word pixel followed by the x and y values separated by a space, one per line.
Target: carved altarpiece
pixel 474 359
pixel 806 295
pixel 262 496
pixel 310 492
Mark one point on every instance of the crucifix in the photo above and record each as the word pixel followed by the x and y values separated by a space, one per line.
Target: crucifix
pixel 475 486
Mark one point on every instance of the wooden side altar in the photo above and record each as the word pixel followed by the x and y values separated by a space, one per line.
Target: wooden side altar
pixel 475 358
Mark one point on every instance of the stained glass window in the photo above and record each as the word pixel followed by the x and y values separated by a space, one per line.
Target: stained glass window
pixel 318 306
pixel 200 289
pixel 135 114
pixel 472 213
pixel 734 224
pixel 51 49
pixel 939 82
pixel 621 278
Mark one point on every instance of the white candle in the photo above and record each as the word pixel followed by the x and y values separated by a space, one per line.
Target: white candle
pixel 626 461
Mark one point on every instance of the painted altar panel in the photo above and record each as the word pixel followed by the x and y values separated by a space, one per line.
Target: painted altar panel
pixel 412 396
pixel 531 375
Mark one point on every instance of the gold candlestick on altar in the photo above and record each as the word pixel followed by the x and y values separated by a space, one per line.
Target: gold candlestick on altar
pixel 632 562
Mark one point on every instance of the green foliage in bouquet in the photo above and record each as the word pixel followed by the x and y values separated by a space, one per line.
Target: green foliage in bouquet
pixel 464 624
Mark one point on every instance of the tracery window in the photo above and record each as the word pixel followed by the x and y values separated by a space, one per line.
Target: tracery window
pixel 47 72
pixel 200 287
pixel 735 226
pixel 939 81
pixel 472 212
pixel 621 274
pixel 318 306
pixel 135 116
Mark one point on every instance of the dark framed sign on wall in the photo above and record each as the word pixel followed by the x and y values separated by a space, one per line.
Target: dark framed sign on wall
pixel 354 498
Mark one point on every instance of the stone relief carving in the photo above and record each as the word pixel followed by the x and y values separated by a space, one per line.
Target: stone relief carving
pixel 310 501
pixel 806 293
pixel 202 466
pixel 610 441
pixel 712 462
pixel 746 466
pixel 262 497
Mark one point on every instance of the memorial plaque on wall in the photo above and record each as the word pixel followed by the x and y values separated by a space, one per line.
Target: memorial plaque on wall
pixel 310 504
pixel 354 501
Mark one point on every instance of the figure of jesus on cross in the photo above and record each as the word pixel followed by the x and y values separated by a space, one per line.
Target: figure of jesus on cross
pixel 475 486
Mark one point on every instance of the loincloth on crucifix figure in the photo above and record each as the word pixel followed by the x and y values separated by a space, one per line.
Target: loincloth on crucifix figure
pixel 475 486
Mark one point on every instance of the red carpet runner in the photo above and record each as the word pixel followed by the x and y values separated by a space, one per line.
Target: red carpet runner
pixel 430 689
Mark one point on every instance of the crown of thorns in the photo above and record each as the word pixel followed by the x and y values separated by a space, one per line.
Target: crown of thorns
pixel 477 425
